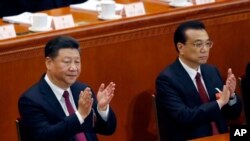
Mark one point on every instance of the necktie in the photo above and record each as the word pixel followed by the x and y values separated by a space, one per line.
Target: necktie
pixel 205 99
pixel 79 136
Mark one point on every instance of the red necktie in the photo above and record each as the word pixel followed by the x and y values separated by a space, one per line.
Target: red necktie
pixel 79 136
pixel 205 99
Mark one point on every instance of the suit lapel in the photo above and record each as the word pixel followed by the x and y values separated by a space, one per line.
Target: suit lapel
pixel 183 78
pixel 75 92
pixel 50 98
pixel 208 78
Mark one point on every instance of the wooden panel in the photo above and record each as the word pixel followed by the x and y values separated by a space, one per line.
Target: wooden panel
pixel 130 51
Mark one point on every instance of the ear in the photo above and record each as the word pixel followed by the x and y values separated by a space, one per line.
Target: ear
pixel 48 63
pixel 180 47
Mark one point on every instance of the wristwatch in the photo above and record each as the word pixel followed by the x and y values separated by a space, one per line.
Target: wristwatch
pixel 232 97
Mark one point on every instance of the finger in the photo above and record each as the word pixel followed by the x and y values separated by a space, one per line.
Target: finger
pixel 233 77
pixel 86 97
pixel 101 88
pixel 227 91
pixel 110 87
pixel 229 72
pixel 90 102
pixel 225 88
pixel 81 94
pixel 113 85
pixel 86 90
pixel 112 91
pixel 89 92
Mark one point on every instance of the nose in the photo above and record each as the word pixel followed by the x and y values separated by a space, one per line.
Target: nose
pixel 73 67
pixel 204 48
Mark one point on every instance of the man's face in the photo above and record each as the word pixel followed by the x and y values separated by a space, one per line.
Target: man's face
pixel 65 68
pixel 196 49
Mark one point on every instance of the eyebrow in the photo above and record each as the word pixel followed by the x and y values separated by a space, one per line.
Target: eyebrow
pixel 201 40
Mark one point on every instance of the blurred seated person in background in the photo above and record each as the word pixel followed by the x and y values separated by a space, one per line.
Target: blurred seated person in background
pixel 186 97
pixel 245 88
pixel 9 8
pixel 60 108
pixel 40 5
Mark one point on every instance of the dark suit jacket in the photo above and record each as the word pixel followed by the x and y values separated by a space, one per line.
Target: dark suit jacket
pixel 44 119
pixel 40 5
pixel 181 113
pixel 245 89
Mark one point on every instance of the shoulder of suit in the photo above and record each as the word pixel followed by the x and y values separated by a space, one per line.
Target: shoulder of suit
pixel 79 84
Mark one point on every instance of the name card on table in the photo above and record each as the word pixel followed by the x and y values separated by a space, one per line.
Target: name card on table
pixel 134 9
pixel 61 22
pixel 199 2
pixel 7 31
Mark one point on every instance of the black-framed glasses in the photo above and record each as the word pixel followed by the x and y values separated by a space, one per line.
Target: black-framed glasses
pixel 201 44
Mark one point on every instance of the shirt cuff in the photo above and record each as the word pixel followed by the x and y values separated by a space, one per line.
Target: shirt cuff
pixel 104 114
pixel 81 120
pixel 232 100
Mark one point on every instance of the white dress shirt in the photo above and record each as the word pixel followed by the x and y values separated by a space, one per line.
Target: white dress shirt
pixel 192 73
pixel 59 95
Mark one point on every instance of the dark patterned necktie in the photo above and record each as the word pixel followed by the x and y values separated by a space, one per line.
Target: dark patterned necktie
pixel 79 136
pixel 205 99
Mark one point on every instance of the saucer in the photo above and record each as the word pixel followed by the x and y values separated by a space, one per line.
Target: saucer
pixel 109 18
pixel 167 1
pixel 35 29
pixel 184 4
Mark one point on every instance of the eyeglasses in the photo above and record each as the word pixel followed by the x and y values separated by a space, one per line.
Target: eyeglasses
pixel 200 44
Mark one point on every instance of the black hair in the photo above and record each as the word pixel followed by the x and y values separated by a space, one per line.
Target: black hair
pixel 180 36
pixel 60 42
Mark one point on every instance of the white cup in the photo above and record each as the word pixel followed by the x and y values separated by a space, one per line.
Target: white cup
pixel 39 20
pixel 106 9
pixel 179 1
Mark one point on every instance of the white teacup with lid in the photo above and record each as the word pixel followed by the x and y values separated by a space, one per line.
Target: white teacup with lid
pixel 39 22
pixel 107 10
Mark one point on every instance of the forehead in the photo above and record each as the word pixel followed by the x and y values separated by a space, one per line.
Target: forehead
pixel 196 34
pixel 68 52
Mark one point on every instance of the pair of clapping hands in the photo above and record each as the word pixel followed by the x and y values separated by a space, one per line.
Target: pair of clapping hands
pixel 104 96
pixel 228 89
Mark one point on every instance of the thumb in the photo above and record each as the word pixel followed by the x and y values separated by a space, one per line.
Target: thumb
pixel 218 95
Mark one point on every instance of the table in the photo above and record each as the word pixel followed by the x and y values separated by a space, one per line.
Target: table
pixel 220 137
pixel 136 49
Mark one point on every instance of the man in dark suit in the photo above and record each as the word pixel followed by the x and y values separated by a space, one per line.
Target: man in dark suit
pixel 40 5
pixel 245 89
pixel 186 101
pixel 58 107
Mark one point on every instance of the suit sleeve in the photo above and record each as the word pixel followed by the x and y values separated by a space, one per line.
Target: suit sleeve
pixel 41 126
pixel 230 112
pixel 104 127
pixel 170 98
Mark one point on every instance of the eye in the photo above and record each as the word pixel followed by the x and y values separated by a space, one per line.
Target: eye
pixel 77 62
pixel 66 61
pixel 209 44
pixel 198 44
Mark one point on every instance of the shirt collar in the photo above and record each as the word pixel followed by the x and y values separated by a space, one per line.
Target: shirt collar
pixel 191 72
pixel 57 90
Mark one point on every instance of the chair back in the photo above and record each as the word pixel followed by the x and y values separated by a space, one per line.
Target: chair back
pixel 18 129
pixel 156 117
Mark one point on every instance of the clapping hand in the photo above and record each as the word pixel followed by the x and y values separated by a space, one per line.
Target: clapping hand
pixel 85 102
pixel 231 82
pixel 105 95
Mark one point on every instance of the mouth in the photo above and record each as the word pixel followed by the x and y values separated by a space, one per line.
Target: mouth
pixel 203 57
pixel 72 75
